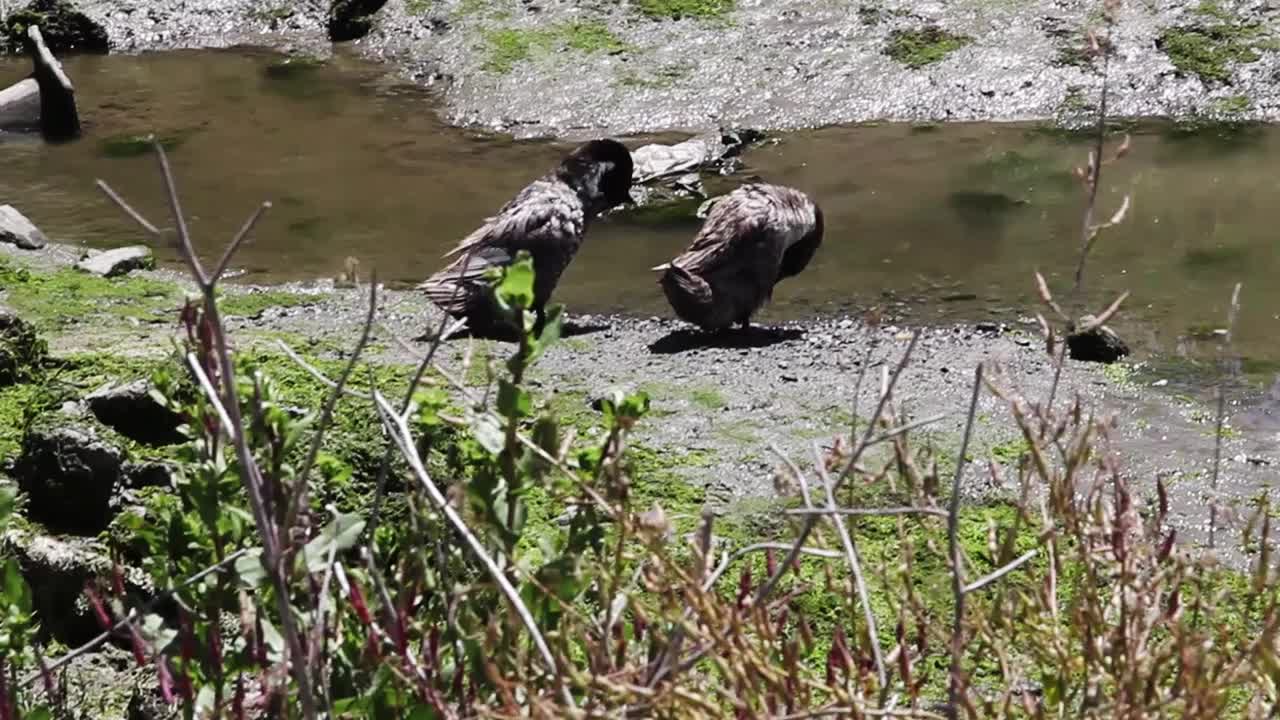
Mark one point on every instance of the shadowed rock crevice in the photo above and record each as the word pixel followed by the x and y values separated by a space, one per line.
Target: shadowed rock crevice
pixel 352 19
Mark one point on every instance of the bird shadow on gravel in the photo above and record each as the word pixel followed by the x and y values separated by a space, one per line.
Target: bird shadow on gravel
pixel 686 339
pixel 570 328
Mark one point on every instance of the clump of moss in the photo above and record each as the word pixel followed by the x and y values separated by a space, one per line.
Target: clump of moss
pixel 126 146
pixel 67 296
pixel 508 47
pixel 677 9
pixel 1210 53
pixel 254 303
pixel 1231 105
pixel 22 351
pixel 923 46
pixel 63 28
pixel 1214 44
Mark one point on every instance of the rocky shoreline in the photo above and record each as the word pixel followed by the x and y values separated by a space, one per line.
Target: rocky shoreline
pixel 576 68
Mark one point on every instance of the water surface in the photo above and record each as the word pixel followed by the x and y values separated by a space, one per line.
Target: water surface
pixel 950 220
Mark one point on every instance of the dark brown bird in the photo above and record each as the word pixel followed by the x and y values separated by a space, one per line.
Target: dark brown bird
pixel 548 218
pixel 753 238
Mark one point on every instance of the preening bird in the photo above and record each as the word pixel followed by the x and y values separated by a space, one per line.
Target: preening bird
pixel 548 218
pixel 753 238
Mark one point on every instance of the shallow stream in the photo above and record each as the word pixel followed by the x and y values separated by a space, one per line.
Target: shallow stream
pixel 950 220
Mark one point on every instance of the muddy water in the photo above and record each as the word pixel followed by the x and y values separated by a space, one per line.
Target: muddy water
pixel 949 220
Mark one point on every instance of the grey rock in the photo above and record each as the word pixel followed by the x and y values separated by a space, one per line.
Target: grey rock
pixel 70 473
pixel 22 351
pixel 131 411
pixel 58 570
pixel 351 19
pixel 138 475
pixel 16 229
pixel 119 261
pixel 1101 344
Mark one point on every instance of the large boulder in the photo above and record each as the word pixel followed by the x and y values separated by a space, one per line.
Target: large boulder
pixel 22 351
pixel 70 469
pixel 16 229
pixel 65 28
pixel 134 412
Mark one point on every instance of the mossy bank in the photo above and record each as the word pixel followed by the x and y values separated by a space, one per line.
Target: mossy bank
pixel 582 67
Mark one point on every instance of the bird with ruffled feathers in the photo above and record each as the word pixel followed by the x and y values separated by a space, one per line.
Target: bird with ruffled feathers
pixel 752 239
pixel 548 219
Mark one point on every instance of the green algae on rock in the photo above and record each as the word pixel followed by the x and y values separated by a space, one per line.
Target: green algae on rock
pixel 923 46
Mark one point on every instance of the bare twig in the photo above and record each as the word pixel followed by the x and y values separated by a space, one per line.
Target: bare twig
pixel 989 578
pixel 757 547
pixel 210 393
pixel 315 373
pixel 855 566
pixel 238 240
pixel 326 414
pixel 871 512
pixel 810 522
pixel 403 439
pixel 250 474
pixel 953 543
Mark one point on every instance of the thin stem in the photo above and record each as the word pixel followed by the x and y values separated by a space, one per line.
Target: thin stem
pixel 989 578
pixel 855 566
pixel 400 434
pixel 238 240
pixel 953 543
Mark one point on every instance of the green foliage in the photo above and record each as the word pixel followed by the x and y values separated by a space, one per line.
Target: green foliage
pixel 923 46
pixel 67 296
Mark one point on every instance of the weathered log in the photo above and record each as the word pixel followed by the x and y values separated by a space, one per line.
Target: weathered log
pixel 59 119
pixel 45 101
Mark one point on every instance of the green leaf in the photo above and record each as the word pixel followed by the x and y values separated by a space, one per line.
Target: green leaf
pixel 515 289
pixel 16 592
pixel 488 432
pixel 341 533
pixel 249 568
pixel 513 401
pixel 8 498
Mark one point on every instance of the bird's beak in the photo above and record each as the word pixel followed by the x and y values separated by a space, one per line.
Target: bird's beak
pixel 661 268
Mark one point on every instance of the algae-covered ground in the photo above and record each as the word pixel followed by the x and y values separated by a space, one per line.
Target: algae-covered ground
pixel 719 407
pixel 581 66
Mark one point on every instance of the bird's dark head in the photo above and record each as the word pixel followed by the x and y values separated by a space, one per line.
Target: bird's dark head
pixel 600 171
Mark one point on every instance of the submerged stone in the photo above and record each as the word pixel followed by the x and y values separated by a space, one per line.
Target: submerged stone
pixel 16 229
